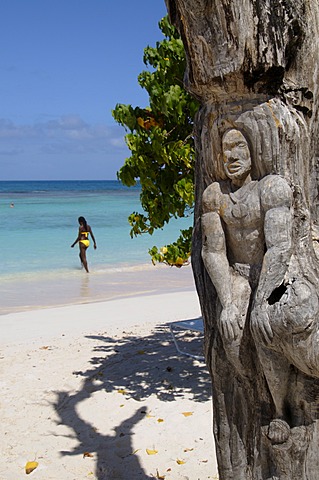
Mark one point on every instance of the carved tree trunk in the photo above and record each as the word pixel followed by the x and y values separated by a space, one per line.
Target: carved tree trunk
pixel 254 66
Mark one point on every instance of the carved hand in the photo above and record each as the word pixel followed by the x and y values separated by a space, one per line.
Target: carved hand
pixel 230 322
pixel 260 325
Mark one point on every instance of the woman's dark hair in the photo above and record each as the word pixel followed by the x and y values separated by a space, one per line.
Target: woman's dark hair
pixel 82 221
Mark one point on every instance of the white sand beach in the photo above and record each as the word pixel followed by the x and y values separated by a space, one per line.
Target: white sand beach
pixel 97 391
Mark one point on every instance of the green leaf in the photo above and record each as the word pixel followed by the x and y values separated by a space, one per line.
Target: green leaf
pixel 161 144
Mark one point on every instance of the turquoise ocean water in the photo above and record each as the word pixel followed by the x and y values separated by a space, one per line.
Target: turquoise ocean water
pixel 39 268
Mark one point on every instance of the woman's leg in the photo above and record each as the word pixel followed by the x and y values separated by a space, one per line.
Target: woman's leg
pixel 83 256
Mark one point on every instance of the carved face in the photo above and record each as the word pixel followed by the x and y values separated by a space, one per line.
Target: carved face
pixel 236 156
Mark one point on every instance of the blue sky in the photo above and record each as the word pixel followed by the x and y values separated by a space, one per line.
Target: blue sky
pixel 64 65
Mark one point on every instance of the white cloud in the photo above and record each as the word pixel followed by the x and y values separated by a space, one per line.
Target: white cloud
pixel 67 134
pixel 61 148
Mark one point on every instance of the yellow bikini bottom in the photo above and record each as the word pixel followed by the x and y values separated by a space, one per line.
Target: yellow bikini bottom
pixel 86 243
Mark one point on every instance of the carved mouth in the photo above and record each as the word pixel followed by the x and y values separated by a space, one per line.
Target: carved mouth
pixel 234 167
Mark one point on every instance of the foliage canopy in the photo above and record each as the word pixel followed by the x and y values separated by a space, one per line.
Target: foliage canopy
pixel 161 144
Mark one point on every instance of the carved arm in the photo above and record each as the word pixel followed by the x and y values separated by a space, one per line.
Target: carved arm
pixel 276 201
pixel 216 263
pixel 278 237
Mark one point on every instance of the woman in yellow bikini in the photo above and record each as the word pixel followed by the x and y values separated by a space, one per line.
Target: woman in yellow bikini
pixel 84 242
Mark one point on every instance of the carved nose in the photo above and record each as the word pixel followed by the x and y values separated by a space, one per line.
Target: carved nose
pixel 231 158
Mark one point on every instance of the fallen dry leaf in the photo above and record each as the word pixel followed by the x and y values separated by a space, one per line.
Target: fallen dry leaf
pixel 151 452
pixel 180 462
pixel 160 420
pixel 188 449
pixel 160 477
pixel 187 414
pixel 30 466
pixel 87 454
pixel 122 391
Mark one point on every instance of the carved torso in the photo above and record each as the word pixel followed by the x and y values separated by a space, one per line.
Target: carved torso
pixel 243 219
pixel 243 215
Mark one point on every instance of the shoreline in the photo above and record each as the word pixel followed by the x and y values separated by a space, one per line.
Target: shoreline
pixel 97 391
pixel 74 287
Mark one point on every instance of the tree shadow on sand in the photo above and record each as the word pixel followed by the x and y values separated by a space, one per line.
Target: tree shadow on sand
pixel 137 367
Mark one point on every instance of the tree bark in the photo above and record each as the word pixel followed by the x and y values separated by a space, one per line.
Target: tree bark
pixel 254 66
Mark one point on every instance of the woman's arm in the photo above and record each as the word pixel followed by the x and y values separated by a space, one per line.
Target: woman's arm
pixel 91 233
pixel 76 241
